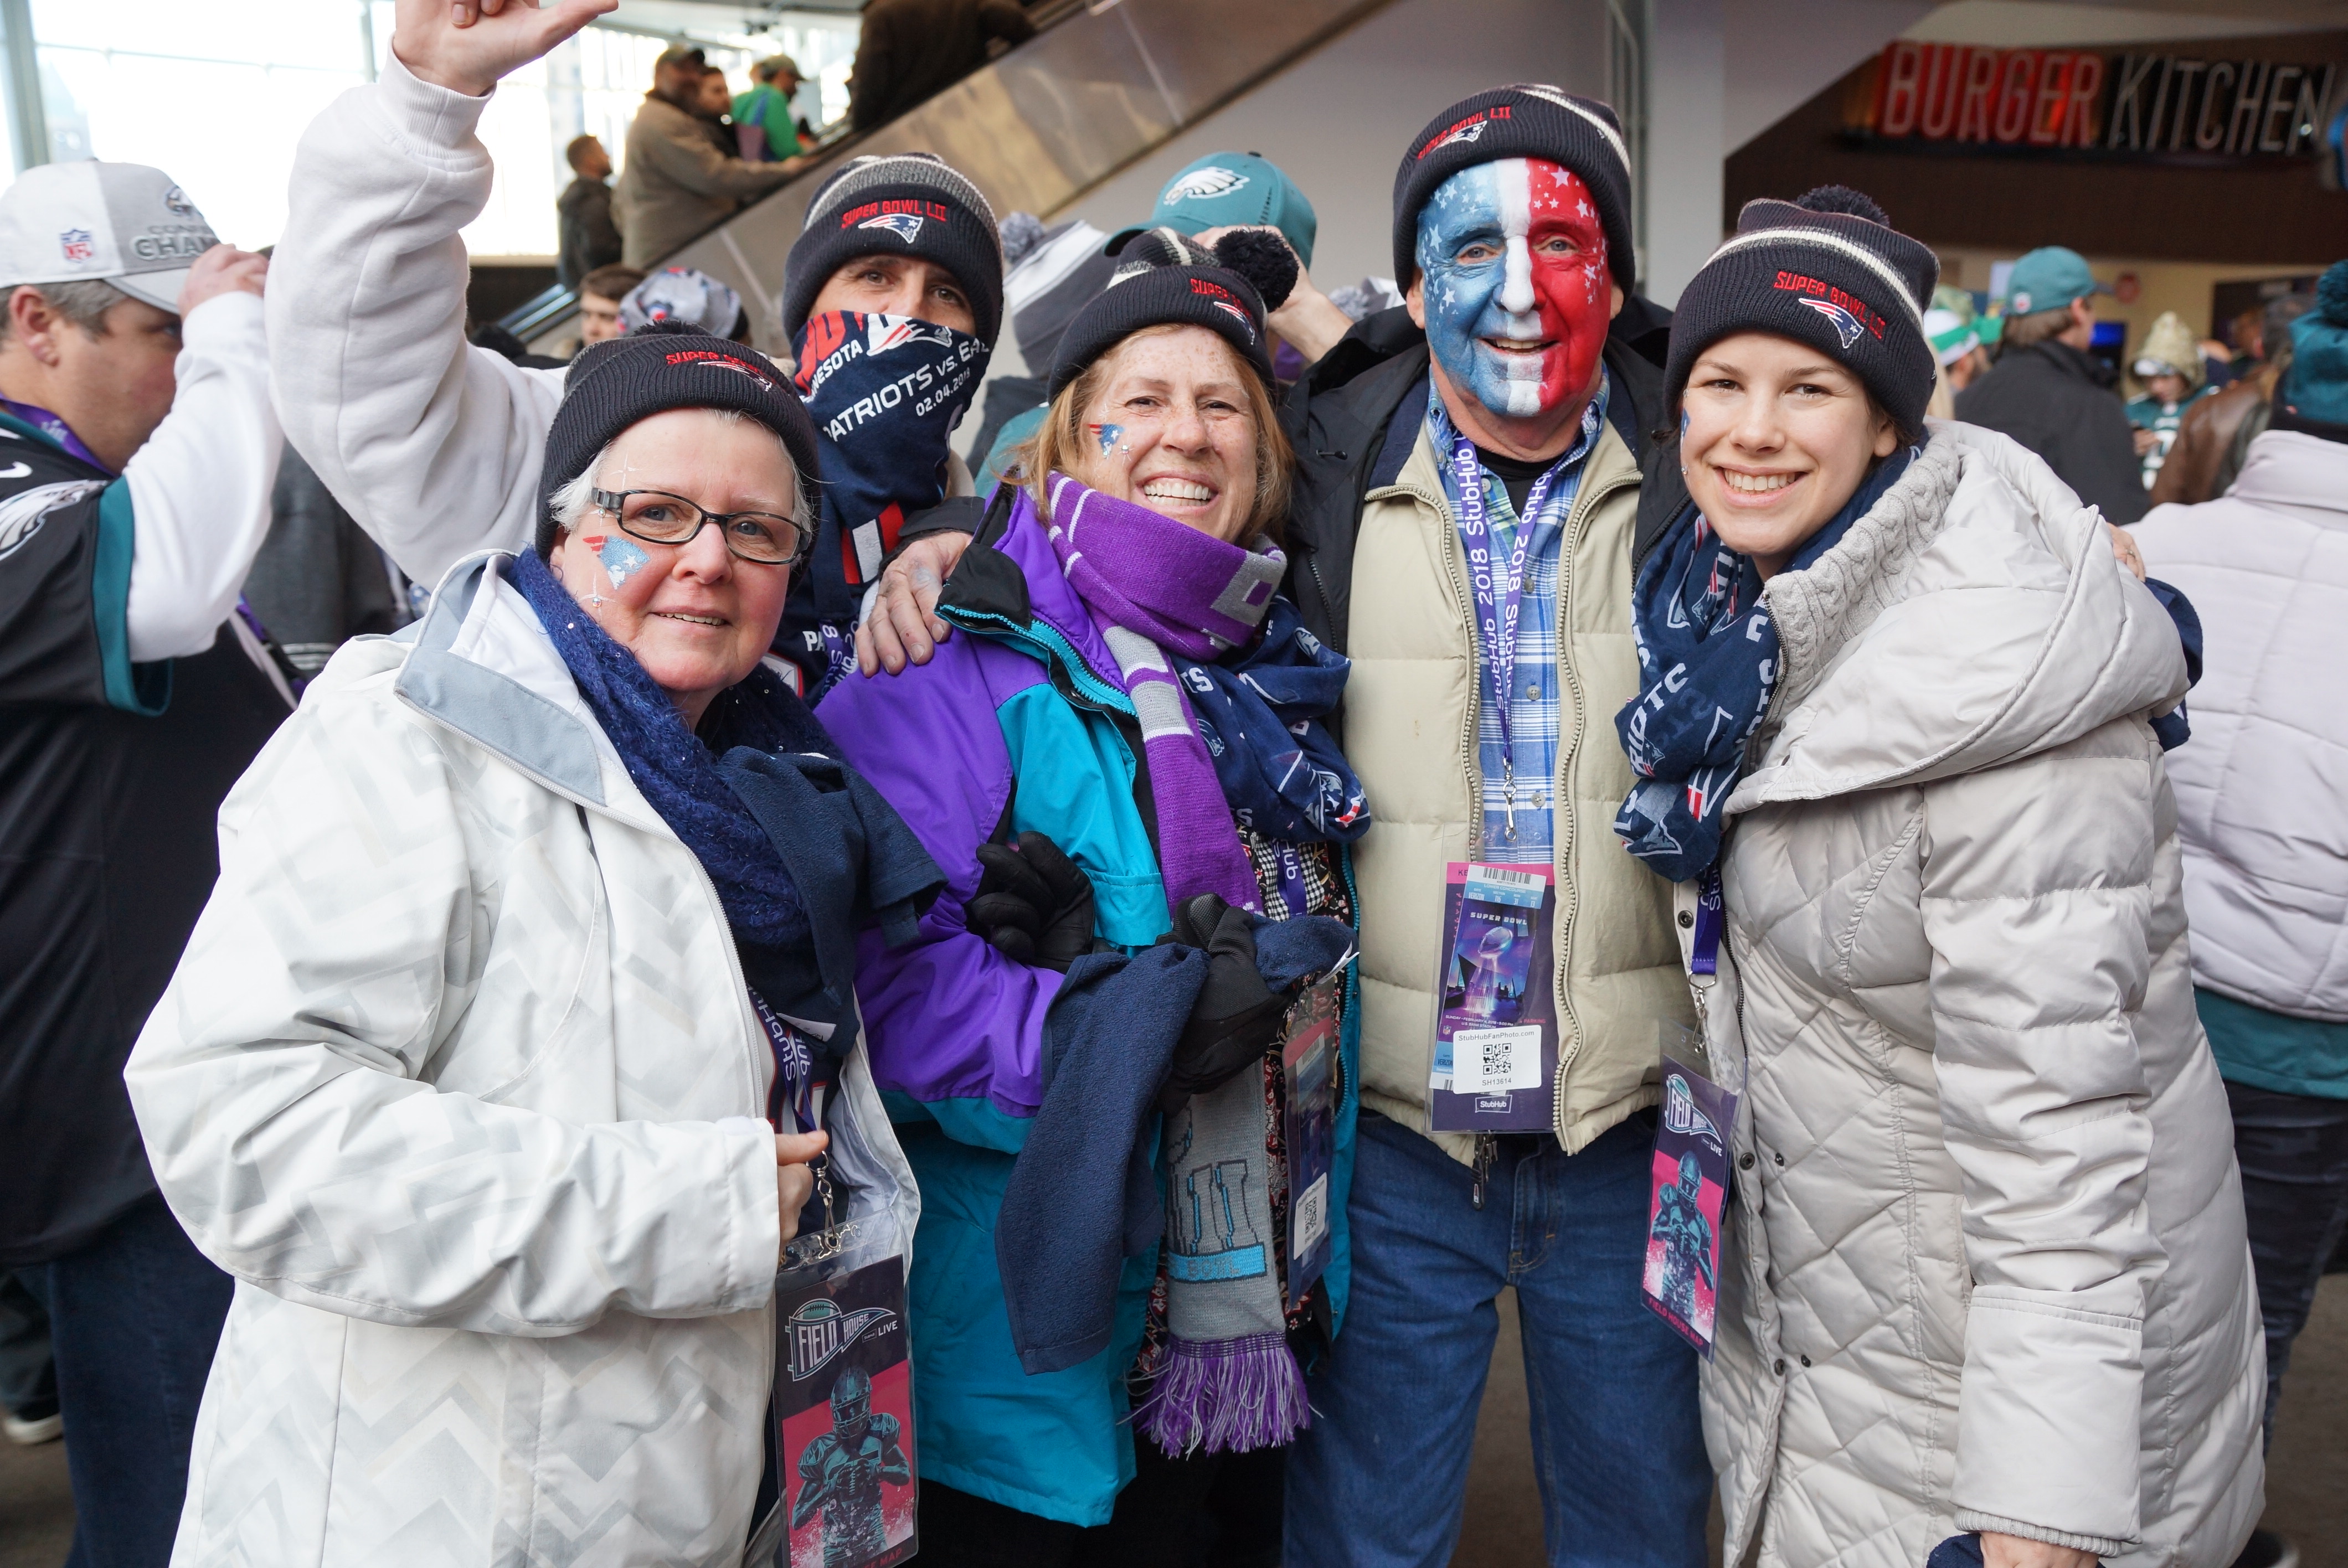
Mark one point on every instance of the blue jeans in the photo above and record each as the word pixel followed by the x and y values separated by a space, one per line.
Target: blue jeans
pixel 135 1318
pixel 2293 1153
pixel 1380 1477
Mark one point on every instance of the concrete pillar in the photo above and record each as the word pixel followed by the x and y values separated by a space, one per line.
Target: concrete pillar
pixel 1686 93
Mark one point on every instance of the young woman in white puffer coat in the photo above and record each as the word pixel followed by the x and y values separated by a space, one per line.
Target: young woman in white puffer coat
pixel 1984 1273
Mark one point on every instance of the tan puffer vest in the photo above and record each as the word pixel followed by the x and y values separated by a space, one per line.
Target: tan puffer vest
pixel 1411 712
pixel 1986 1267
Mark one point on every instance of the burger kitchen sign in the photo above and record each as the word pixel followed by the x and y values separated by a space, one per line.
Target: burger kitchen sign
pixel 1961 98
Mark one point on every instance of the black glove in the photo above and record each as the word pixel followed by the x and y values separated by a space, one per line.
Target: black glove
pixel 1034 903
pixel 1236 1017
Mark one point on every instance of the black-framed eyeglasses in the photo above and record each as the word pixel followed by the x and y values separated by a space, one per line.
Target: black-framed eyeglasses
pixel 658 517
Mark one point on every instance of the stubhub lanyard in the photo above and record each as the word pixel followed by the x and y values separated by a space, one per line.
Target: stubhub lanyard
pixel 1499 589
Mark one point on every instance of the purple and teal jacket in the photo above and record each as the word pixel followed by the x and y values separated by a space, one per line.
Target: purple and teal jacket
pixel 1020 722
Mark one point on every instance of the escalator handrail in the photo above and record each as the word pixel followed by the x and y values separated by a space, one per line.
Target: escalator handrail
pixel 546 311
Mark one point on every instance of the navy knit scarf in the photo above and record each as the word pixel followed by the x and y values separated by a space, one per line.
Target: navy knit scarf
pixel 1259 711
pixel 1708 651
pixel 677 773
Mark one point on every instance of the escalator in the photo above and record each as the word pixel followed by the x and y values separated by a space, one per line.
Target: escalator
pixel 1096 88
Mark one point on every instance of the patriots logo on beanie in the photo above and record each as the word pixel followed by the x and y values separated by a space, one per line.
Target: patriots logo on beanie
pixel 1845 324
pixel 904 225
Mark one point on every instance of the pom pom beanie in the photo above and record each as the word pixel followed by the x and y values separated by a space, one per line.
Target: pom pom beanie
pixel 1828 271
pixel 2317 386
pixel 905 203
pixel 1164 278
pixel 1526 121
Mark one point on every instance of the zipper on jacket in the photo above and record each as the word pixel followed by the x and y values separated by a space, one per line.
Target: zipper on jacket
pixel 1585 501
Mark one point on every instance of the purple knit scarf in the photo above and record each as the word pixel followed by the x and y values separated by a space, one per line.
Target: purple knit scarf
pixel 1152 584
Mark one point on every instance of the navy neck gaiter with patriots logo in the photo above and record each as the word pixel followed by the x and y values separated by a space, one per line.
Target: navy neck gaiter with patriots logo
pixel 885 393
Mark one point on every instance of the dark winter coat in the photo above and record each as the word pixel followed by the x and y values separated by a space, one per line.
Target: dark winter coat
pixel 912 50
pixel 590 237
pixel 2058 401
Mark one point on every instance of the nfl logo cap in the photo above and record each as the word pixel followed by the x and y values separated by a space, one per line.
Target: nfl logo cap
pixel 2048 279
pixel 119 223
pixel 1226 189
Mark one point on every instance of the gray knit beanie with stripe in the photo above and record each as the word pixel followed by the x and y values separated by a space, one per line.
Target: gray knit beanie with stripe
pixel 1828 271
pixel 904 203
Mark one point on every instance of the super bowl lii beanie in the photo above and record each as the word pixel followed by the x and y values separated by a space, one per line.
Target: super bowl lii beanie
pixel 650 371
pixel 1828 271
pixel 1529 120
pixel 1164 278
pixel 900 204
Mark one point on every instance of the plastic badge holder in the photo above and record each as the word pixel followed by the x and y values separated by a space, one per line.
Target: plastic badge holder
pixel 1680 1282
pixel 1307 1056
pixel 843 1401
pixel 1496 1036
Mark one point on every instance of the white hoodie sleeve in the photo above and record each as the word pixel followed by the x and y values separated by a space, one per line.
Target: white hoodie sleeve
pixel 431 444
pixel 200 487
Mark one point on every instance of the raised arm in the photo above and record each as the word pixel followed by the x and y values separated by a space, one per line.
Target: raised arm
pixel 2037 901
pixel 200 488
pixel 431 444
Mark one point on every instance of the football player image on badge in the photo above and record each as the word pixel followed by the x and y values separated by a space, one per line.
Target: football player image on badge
pixel 844 1473
pixel 844 1425
pixel 1689 1192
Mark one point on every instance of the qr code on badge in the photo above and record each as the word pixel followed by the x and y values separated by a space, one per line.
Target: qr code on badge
pixel 1498 1052
pixel 1490 1060
pixel 1312 1216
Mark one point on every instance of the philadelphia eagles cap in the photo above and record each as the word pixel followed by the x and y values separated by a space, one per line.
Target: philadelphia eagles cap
pixel 1224 190
pixel 119 223
pixel 2048 279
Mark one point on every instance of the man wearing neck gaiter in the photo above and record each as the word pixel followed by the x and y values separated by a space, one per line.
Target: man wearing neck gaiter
pixel 433 444
pixel 893 296
pixel 1467 491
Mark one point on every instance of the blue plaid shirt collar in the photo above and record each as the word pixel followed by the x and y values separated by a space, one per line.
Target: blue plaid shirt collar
pixel 1523 832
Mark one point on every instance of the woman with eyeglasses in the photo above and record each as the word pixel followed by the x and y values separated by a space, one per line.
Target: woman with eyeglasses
pixel 462 1075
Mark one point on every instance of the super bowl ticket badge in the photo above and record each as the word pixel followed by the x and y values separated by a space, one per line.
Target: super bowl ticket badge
pixel 843 1416
pixel 1496 1038
pixel 1307 1056
pixel 1688 1192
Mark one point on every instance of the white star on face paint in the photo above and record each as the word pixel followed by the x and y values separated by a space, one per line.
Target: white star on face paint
pixel 1585 209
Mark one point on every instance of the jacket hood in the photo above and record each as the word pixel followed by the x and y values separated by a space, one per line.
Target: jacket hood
pixel 1974 617
pixel 2303 474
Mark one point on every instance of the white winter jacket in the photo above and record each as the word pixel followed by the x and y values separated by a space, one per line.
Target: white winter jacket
pixel 2261 790
pixel 457 1077
pixel 1986 1268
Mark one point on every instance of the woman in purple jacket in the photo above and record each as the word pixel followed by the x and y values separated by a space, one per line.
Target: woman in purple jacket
pixel 1124 742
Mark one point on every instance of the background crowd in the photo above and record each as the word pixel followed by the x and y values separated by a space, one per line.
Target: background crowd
pixel 489 836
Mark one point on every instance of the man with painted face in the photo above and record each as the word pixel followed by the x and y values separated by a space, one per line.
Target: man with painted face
pixel 1467 495
pixel 434 445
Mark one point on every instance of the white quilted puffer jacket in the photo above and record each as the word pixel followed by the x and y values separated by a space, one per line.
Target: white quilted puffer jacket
pixel 1986 1268
pixel 457 1077
pixel 2260 791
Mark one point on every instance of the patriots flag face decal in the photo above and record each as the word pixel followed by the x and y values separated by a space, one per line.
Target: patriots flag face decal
pixel 1846 325
pixel 906 225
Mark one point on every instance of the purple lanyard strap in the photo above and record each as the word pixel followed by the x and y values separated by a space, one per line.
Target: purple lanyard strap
pixel 1499 589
